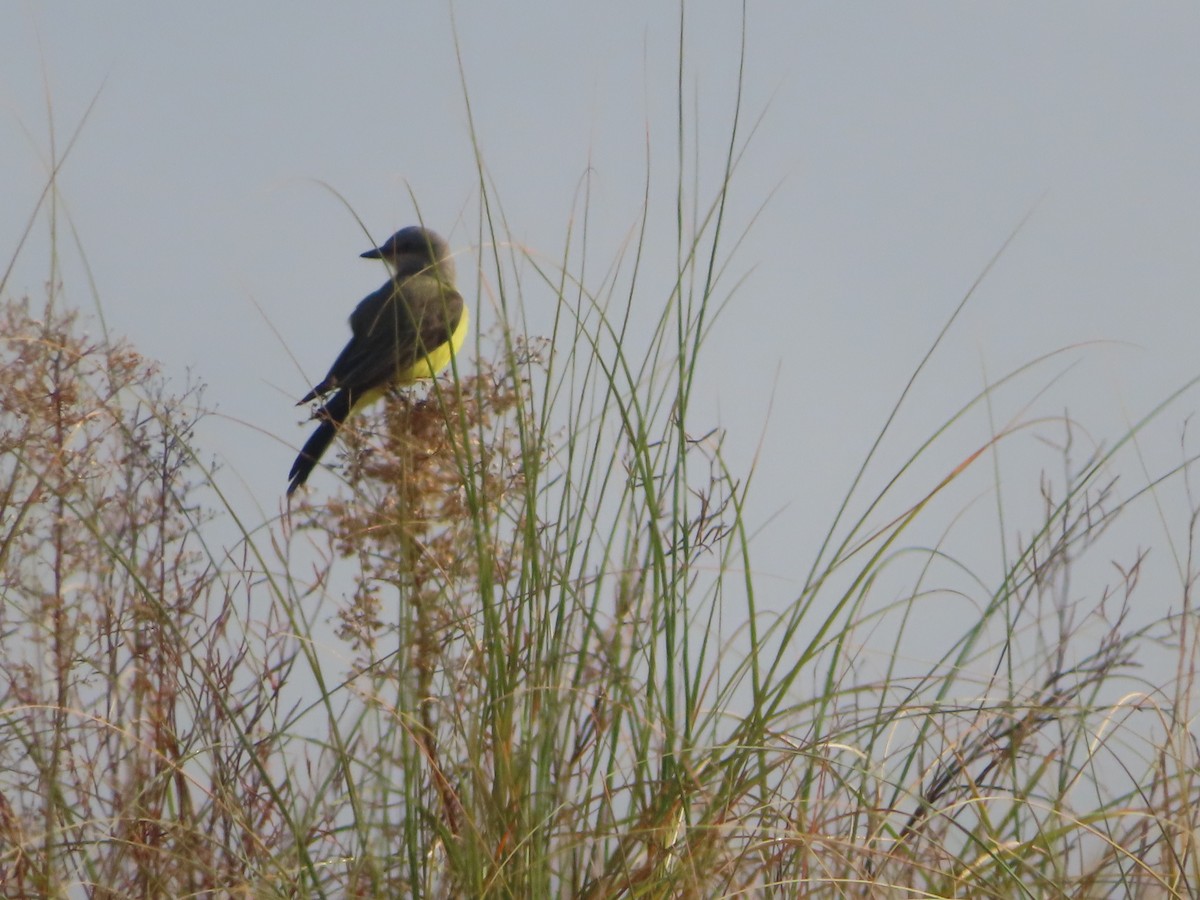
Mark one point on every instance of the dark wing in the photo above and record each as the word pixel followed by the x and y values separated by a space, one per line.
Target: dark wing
pixel 394 330
pixel 370 311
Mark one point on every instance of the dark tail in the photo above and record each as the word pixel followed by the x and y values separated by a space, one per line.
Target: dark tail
pixel 332 415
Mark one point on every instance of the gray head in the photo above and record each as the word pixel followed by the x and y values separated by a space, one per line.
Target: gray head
pixel 413 249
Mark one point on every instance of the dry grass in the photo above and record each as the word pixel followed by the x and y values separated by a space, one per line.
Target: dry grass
pixel 534 696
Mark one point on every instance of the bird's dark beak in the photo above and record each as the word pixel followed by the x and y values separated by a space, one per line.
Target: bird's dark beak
pixel 372 254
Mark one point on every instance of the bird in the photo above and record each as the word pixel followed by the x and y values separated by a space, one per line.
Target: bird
pixel 406 331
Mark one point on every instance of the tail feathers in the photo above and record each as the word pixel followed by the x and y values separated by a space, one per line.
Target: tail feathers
pixel 332 415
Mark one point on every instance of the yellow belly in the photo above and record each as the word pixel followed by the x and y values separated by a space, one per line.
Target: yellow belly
pixel 439 357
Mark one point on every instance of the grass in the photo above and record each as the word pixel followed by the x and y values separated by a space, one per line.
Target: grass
pixel 550 674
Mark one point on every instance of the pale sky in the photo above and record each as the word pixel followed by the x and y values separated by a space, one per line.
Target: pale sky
pixel 899 146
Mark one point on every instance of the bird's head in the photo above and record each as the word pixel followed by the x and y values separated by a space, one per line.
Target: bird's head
pixel 414 249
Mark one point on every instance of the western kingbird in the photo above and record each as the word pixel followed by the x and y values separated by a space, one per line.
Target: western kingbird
pixel 407 330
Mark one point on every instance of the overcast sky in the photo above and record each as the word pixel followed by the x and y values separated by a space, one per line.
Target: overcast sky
pixel 899 146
